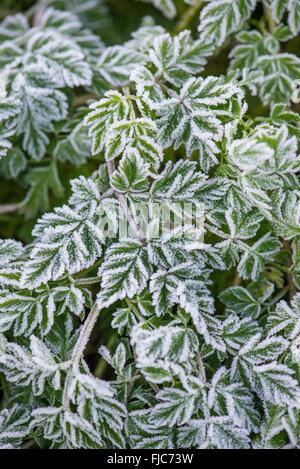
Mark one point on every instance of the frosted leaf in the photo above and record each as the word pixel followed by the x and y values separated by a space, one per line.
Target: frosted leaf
pixel 278 71
pixel 178 182
pixel 254 257
pixel 144 433
pixel 237 332
pixel 243 225
pixel 13 26
pixel 249 154
pixel 75 148
pixel 63 22
pixel 143 37
pixel 10 56
pixel 163 286
pixel 252 45
pixel 291 7
pixel 93 14
pixel 160 351
pixel 278 384
pixel 286 213
pixel 32 367
pixel 116 64
pixel 14 163
pixel 176 59
pixel 119 359
pixel 285 319
pixel 85 190
pixel 131 175
pixel 123 320
pixel 240 300
pixel 14 426
pixel 60 58
pixel 290 423
pixel 26 313
pixel 213 433
pixel 272 427
pixel 176 406
pixel 296 259
pixel 12 255
pixel 40 109
pixel 191 118
pixel 136 135
pixel 220 18
pixel 234 399
pixel 109 110
pixel 65 429
pixel 67 241
pixel 95 400
pixel 71 299
pixel 124 272
pixel 259 352
pixel 9 108
pixel 147 88
pixel 35 66
pixel 284 159
pixel 256 365
pixel 195 298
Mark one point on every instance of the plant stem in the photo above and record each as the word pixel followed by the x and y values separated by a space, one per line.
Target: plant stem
pixel 84 98
pixel 4 387
pixel 91 320
pixel 87 271
pixel 79 349
pixel 270 20
pixel 291 285
pixel 188 16
pixel 88 281
pixel 39 15
pixel 279 296
pixel 202 374
pixel 9 208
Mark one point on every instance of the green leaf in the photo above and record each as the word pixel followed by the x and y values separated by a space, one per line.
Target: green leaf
pixel 124 272
pixel 192 118
pixel 176 407
pixel 42 181
pixel 34 367
pixel 67 241
pixel 109 110
pixel 14 426
pixel 220 18
pixel 240 300
pixel 254 258
pixel 131 175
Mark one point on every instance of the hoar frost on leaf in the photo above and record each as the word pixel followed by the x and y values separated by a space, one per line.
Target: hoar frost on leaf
pixel 179 333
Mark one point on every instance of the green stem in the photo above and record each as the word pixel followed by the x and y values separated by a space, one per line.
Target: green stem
pixel 291 285
pixel 270 20
pixel 88 281
pixel 188 16
pixel 201 369
pixel 79 349
pixel 9 208
pixel 278 297
pixel 4 387
pixel 90 269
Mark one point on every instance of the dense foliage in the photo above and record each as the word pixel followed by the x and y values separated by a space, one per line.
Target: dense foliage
pixel 189 338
